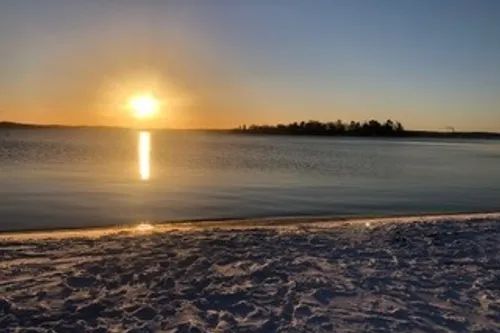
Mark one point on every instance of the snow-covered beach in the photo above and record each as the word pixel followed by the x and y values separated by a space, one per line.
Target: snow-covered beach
pixel 415 274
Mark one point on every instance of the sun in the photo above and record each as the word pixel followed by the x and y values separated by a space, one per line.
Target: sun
pixel 144 106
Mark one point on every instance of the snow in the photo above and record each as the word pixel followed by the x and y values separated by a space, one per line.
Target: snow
pixel 418 274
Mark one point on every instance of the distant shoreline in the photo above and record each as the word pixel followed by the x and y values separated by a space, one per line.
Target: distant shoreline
pixel 406 134
pixel 6 125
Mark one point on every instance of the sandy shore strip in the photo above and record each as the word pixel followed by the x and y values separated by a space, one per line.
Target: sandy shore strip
pixel 407 274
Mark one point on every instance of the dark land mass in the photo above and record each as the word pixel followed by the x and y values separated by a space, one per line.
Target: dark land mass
pixel 371 128
pixel 12 125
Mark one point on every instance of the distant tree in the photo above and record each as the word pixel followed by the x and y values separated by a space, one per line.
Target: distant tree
pixel 313 127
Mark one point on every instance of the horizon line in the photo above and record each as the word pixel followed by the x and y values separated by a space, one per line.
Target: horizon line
pixel 56 125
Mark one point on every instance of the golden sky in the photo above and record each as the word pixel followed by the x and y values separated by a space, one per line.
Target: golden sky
pixel 219 64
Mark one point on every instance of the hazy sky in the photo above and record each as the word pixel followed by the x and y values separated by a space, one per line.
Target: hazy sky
pixel 428 64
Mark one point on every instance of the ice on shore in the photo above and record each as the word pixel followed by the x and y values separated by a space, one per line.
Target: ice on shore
pixel 424 275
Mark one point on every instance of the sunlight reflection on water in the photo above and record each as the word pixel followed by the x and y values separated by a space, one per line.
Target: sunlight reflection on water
pixel 144 227
pixel 144 147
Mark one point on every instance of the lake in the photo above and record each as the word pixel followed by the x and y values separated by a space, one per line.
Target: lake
pixel 54 178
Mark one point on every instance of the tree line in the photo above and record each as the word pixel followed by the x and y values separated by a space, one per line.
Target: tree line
pixel 313 127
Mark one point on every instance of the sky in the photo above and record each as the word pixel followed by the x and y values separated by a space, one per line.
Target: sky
pixel 222 63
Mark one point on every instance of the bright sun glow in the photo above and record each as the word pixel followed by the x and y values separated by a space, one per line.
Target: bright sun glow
pixel 144 106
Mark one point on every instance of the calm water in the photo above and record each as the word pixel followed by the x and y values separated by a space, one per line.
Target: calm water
pixel 84 177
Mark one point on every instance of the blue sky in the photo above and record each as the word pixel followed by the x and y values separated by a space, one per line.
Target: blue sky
pixel 428 64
